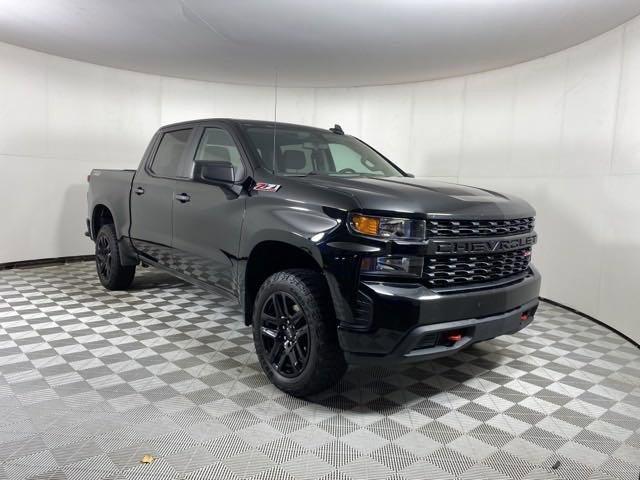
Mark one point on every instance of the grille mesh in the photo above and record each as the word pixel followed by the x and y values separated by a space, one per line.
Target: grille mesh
pixel 460 270
pixel 478 228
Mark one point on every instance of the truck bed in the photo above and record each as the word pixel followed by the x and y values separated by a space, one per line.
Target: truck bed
pixel 112 188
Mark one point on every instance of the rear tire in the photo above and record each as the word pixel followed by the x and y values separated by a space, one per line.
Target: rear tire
pixel 295 334
pixel 112 274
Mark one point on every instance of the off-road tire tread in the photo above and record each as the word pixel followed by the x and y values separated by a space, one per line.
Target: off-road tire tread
pixel 313 296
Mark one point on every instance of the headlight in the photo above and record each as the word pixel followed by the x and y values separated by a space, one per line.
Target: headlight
pixel 388 227
pixel 393 265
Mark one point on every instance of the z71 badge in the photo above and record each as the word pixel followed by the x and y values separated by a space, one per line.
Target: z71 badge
pixel 266 187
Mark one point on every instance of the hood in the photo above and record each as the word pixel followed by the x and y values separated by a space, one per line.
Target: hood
pixel 422 196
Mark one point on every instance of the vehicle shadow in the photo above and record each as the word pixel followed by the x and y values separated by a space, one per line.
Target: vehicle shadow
pixel 388 390
pixel 69 236
pixel 156 279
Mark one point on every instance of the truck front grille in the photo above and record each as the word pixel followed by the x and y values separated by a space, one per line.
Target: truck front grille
pixel 461 270
pixel 479 228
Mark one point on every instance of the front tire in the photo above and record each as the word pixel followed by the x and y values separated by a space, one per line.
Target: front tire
pixel 112 274
pixel 294 333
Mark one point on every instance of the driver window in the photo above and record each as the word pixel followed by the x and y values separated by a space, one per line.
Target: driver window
pixel 217 145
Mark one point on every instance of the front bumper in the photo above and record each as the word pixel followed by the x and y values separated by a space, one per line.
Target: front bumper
pixel 410 322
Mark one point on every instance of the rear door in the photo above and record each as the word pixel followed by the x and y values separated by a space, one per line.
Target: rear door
pixel 153 192
pixel 207 219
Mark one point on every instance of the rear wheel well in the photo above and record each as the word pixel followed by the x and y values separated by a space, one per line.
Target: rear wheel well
pixel 267 258
pixel 101 216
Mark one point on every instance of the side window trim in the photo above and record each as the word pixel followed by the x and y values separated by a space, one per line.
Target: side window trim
pixel 189 156
pixel 149 164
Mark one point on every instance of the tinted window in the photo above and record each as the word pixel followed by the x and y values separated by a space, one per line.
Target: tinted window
pixel 217 145
pixel 300 151
pixel 167 160
pixel 295 159
pixel 345 158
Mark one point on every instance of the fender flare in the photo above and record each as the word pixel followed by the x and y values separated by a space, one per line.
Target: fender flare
pixel 340 306
pixel 282 236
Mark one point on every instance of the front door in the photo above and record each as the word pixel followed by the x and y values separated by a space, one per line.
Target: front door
pixel 152 197
pixel 207 219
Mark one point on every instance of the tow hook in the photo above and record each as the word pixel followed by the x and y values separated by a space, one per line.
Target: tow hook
pixel 453 336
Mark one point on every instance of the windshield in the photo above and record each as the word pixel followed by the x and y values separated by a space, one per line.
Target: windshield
pixel 302 151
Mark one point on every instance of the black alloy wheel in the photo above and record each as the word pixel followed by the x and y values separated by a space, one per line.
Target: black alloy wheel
pixel 295 332
pixel 285 334
pixel 103 257
pixel 112 274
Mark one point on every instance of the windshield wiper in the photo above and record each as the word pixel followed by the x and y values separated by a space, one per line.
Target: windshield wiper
pixel 302 174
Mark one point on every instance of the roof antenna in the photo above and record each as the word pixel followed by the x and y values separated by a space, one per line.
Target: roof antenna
pixel 275 117
pixel 337 129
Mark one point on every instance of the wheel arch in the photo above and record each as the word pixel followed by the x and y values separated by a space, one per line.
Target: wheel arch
pixel 270 256
pixel 102 214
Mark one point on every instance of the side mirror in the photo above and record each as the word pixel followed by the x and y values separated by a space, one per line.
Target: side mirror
pixel 212 171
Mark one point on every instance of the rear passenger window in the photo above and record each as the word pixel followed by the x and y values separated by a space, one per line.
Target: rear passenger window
pixel 217 145
pixel 167 160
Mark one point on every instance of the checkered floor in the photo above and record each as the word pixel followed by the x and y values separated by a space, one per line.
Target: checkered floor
pixel 90 381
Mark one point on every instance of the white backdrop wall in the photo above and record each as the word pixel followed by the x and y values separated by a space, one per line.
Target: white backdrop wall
pixel 562 131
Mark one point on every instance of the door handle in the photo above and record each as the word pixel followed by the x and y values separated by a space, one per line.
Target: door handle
pixel 139 191
pixel 183 197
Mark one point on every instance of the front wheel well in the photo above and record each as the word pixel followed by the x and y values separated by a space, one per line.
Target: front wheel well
pixel 268 258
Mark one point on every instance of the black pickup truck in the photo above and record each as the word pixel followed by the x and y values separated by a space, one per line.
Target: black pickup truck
pixel 336 255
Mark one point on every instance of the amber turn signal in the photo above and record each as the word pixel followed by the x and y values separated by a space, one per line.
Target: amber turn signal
pixel 365 225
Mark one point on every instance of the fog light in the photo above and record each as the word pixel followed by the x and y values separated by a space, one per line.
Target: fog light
pixel 393 265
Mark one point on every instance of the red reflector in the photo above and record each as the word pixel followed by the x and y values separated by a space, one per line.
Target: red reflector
pixel 454 336
pixel 524 316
